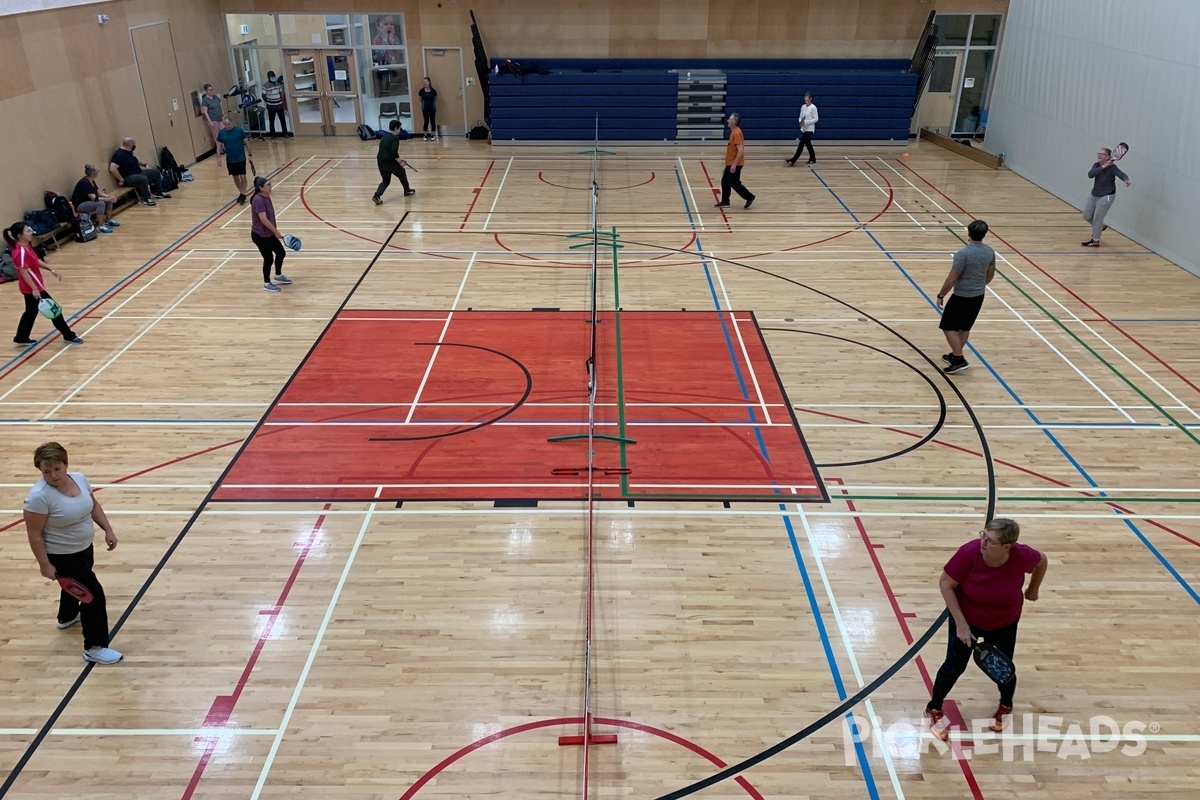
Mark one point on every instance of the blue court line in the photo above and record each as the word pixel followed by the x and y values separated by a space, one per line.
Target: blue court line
pixel 831 660
pixel 1187 587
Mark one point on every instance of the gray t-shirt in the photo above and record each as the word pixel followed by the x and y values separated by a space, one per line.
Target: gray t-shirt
pixel 69 527
pixel 972 264
pixel 212 105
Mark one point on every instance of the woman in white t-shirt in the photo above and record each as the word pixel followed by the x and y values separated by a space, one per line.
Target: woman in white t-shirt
pixel 61 515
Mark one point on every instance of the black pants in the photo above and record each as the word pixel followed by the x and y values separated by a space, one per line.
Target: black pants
pixel 958 655
pixel 25 326
pixel 386 171
pixel 281 113
pixel 430 121
pixel 731 179
pixel 147 182
pixel 94 615
pixel 805 141
pixel 272 251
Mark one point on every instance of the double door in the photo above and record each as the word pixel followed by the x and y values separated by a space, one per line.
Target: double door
pixel 324 91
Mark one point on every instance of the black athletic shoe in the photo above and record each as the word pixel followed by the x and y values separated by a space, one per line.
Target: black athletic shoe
pixel 948 358
pixel 1091 243
pixel 162 195
pixel 409 192
pixel 720 205
pixel 241 199
pixel 377 200
pixel 791 162
pixel 957 365
pixel 812 162
pixel 750 202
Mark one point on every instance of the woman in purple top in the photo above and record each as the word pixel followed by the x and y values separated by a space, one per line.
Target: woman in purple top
pixel 983 585
pixel 266 235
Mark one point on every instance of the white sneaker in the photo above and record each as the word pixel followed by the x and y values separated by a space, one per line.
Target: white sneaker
pixel 101 655
pixel 283 280
pixel 68 623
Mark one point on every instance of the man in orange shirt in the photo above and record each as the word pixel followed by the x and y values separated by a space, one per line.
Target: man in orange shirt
pixel 735 159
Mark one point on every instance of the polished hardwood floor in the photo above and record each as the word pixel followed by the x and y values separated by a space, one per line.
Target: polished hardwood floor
pixel 436 650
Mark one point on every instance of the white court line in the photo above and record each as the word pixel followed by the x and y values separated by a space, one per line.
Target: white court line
pixel 737 329
pixel 1074 317
pixel 125 348
pixel 412 408
pixel 688 183
pixel 493 405
pixel 312 653
pixel 895 202
pixel 1001 489
pixel 224 509
pixel 97 324
pixel 215 733
pixel 1061 354
pixel 508 424
pixel 274 182
pixel 487 220
pixel 841 626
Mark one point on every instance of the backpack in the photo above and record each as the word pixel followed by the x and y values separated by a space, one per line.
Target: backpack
pixel 366 132
pixel 61 206
pixel 8 268
pixel 168 164
pixel 170 181
pixel 86 229
pixel 480 131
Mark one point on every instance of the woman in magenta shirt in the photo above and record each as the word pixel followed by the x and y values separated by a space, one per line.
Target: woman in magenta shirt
pixel 19 237
pixel 982 584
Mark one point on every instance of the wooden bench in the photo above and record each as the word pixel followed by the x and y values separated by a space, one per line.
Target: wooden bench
pixel 126 197
pixel 973 153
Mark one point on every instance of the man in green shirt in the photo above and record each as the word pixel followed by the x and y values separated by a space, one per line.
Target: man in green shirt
pixel 390 163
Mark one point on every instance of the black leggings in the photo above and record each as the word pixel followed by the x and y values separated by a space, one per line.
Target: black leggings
pixel 958 655
pixel 430 123
pixel 271 249
pixel 25 325
pixel 94 615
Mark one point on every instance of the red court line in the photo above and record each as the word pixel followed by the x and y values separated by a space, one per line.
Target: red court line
pixel 223 705
pixel 1011 465
pixel 901 619
pixel 477 191
pixel 716 194
pixel 1061 285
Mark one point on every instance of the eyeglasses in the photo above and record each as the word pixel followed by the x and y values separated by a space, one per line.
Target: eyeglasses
pixel 983 535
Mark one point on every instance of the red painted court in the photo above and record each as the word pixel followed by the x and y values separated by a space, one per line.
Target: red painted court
pixel 411 405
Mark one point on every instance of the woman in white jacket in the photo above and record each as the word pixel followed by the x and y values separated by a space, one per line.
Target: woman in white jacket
pixel 808 124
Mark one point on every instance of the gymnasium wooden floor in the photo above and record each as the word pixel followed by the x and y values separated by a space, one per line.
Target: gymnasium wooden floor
pixel 356 649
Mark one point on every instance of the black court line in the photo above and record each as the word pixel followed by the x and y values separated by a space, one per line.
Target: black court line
pixel 158 568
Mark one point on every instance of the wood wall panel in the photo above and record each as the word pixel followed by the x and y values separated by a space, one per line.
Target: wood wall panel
pixel 69 91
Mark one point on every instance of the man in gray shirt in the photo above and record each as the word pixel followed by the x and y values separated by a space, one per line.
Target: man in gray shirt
pixel 972 270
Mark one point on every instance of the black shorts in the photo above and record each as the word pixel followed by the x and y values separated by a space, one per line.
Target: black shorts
pixel 960 313
pixel 236 167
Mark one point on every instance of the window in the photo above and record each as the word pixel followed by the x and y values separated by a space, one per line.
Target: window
pixel 952 29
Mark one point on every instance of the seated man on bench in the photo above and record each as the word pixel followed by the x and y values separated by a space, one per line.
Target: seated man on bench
pixel 90 199
pixel 129 171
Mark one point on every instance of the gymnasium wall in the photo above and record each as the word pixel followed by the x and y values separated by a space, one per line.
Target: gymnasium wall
pixel 1078 75
pixel 70 91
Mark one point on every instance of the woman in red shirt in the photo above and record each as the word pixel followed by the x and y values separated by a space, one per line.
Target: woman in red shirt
pixel 982 585
pixel 19 237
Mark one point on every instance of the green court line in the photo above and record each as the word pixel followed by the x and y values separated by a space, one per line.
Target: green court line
pixel 722 498
pixel 620 370
pixel 1089 348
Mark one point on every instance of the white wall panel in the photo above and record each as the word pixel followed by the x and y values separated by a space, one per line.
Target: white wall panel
pixel 1077 75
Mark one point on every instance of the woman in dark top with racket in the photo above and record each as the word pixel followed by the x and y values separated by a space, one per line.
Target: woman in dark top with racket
pixel 982 585
pixel 428 96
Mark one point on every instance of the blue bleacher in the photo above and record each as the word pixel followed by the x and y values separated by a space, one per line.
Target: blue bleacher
pixel 636 99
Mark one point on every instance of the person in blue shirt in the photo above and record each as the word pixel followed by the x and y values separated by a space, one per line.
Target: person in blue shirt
pixel 231 144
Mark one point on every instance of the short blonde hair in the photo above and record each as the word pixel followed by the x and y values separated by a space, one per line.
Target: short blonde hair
pixel 50 452
pixel 1008 529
